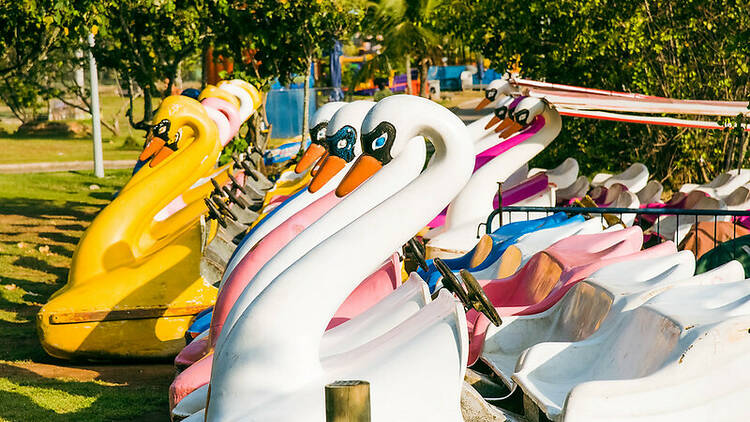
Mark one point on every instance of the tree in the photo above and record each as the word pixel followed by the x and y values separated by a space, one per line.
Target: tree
pixel 687 49
pixel 410 29
pixel 284 36
pixel 145 41
pixel 36 34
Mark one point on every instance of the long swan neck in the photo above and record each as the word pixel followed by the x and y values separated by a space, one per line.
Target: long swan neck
pixel 308 293
pixel 475 200
pixel 121 233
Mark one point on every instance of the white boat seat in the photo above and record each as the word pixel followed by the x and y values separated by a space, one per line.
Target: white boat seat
pixel 575 190
pixel 672 358
pixel 651 193
pixel 581 311
pixel 634 177
pixel 739 199
pixel 561 176
pixel 673 228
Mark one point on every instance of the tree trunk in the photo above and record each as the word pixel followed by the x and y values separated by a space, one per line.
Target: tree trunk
pixel 408 74
pixel 306 103
pixel 424 67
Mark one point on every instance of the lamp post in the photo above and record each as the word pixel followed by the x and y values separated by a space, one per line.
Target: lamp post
pixel 96 127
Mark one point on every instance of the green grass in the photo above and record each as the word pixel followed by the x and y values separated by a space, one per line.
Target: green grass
pixel 42 216
pixel 16 150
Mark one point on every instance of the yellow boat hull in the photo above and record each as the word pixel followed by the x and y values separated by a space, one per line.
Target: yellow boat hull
pixel 138 311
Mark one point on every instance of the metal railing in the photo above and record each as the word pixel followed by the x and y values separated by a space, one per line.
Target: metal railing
pixel 687 215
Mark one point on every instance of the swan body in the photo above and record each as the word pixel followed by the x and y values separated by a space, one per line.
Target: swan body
pixel 465 214
pixel 388 131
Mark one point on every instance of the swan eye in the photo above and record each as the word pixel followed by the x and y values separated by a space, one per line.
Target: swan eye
pixel 321 135
pixel 379 142
pixel 341 144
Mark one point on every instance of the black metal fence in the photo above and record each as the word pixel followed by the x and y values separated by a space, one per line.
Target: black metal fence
pixel 686 216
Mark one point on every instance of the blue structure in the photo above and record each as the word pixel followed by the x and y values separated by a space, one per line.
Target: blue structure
pixel 450 76
pixel 284 108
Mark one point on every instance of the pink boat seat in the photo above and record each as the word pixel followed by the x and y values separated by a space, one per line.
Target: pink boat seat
pixel 549 274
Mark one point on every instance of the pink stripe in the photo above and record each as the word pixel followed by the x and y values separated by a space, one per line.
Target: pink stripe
pixel 492 152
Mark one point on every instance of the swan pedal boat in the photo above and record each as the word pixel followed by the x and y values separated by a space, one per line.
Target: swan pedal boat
pixel 133 286
pixel 439 327
pixel 682 355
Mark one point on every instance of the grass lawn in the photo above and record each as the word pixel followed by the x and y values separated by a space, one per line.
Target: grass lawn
pixel 20 150
pixel 42 216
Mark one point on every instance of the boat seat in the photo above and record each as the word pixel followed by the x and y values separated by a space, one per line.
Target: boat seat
pixel 651 193
pixel 675 228
pixel 575 190
pixel 634 177
pixel 583 308
pixel 563 175
pixel 501 238
pixel 682 355
pixel 549 274
pixel 600 178
pixel 516 255
pixel 481 251
pixel 708 235
pixel 739 199
pixel 725 184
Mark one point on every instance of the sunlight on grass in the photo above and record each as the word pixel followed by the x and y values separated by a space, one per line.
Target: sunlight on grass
pixel 43 216
pixel 48 398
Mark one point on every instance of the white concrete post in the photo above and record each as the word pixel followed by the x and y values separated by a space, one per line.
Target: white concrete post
pixel 96 127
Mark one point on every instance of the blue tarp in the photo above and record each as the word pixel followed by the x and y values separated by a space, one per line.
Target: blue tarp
pixel 284 111
pixel 450 76
pixel 489 76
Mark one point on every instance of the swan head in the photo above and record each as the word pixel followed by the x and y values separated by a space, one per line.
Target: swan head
pixel 380 139
pixel 501 112
pixel 495 90
pixel 520 117
pixel 527 110
pixel 175 121
pixel 318 126
pixel 342 136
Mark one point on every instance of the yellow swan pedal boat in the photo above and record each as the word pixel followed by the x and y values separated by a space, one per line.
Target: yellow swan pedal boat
pixel 134 282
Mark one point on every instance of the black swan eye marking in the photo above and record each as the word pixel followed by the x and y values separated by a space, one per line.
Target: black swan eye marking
pixel 318 133
pixel 341 144
pixel 379 141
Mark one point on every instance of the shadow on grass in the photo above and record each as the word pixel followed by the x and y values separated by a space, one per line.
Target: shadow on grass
pixel 40 209
pixel 28 396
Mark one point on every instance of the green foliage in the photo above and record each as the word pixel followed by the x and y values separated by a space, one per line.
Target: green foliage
pixel 35 34
pixel 681 49
pixel 276 38
pixel 411 29
pixel 145 41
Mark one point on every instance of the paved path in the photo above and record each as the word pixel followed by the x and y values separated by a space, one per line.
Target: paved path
pixel 63 166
